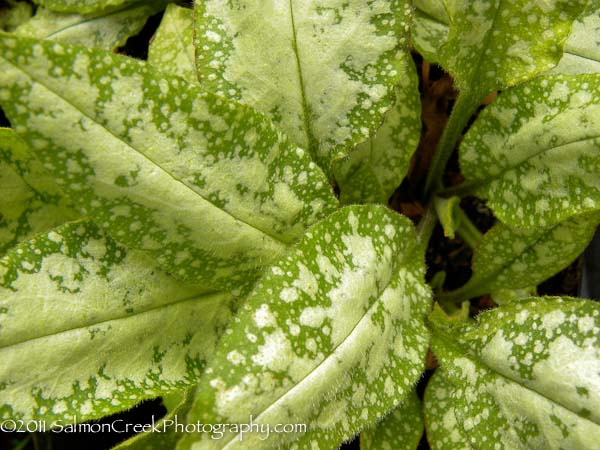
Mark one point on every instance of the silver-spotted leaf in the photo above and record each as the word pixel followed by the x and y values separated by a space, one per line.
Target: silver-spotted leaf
pixel 513 259
pixel 528 376
pixel 107 30
pixel 494 44
pixel 534 153
pixel 14 14
pixel 171 49
pixel 582 48
pixel 400 430
pixel 208 186
pixel 332 336
pixel 442 429
pixel 30 202
pixel 78 327
pixel 324 71
pixel 374 169
pixel 430 28
pixel 85 6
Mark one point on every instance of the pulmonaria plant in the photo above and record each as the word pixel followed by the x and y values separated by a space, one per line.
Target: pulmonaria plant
pixel 170 228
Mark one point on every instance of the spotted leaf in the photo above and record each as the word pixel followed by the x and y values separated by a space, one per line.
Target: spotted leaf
pixel 30 202
pixel 84 6
pixel 78 321
pixel 374 169
pixel 528 376
pixel 430 28
pixel 208 186
pixel 517 259
pixel 496 44
pixel 107 30
pixel 171 49
pixel 323 70
pixel 534 152
pixel 400 430
pixel 443 430
pixel 332 336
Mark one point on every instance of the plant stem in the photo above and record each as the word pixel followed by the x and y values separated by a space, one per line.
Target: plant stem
pixel 462 111
pixel 427 224
pixel 460 190
pixel 467 230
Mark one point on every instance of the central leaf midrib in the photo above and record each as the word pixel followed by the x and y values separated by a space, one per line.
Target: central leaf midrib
pixel 306 114
pixel 278 239
pixel 330 355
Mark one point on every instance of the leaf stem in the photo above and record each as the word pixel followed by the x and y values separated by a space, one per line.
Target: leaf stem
pixel 427 224
pixel 460 190
pixel 467 230
pixel 462 111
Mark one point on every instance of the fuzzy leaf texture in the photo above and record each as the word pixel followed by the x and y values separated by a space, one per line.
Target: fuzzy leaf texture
pixel 374 169
pixel 78 320
pixel 171 49
pixel 324 71
pixel 527 376
pixel 494 44
pixel 332 336
pixel 30 202
pixel 107 30
pixel 534 152
pixel 517 259
pixel 399 430
pixel 85 6
pixel 150 157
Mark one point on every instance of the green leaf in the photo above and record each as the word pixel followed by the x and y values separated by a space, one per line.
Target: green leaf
pixel 582 48
pixel 85 6
pixel 107 30
pixel 14 14
pixel 496 44
pixel 164 435
pixel 332 336
pixel 78 327
pixel 443 430
pixel 374 169
pixel 528 376
pixel 323 70
pixel 171 49
pixel 430 28
pixel 534 152
pixel 30 202
pixel 517 259
pixel 208 186
pixel 400 430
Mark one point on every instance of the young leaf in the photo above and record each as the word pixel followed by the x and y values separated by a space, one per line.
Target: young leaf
pixel 496 44
pixel 30 202
pixel 208 186
pixel 107 30
pixel 528 376
pixel 171 49
pixel 400 430
pixel 534 152
pixel 374 169
pixel 78 327
pixel 332 336
pixel 582 48
pixel 85 6
pixel 324 71
pixel 443 430
pixel 517 259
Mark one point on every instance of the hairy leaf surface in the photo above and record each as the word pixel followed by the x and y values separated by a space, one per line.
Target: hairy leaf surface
pixel 78 321
pixel 400 430
pixel 323 70
pixel 30 202
pixel 534 153
pixel 332 336
pixel 516 259
pixel 85 6
pixel 528 376
pixel 208 186
pixel 496 44
pixel 107 30
pixel 374 169
pixel 171 49
pixel 443 430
